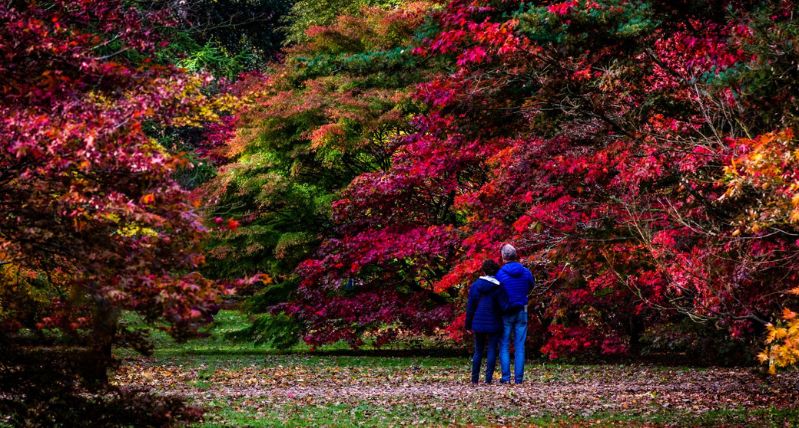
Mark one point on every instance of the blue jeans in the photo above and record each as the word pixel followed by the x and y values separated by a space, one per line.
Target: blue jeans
pixel 515 324
pixel 481 342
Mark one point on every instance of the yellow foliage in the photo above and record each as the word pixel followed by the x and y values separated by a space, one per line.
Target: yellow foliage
pixel 15 285
pixel 135 230
pixel 782 343
pixel 202 108
pixel 768 168
pixel 776 333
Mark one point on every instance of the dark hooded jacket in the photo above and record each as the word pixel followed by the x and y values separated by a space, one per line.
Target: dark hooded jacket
pixel 517 282
pixel 485 306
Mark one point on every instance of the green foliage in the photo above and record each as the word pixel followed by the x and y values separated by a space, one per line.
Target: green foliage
pixel 270 296
pixel 630 20
pixel 277 331
pixel 772 77
pixel 197 170
pixel 214 339
pixel 217 60
pixel 325 115
pixel 196 56
pixel 225 37
pixel 305 14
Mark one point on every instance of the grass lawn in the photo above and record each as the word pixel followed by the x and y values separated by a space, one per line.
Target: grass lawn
pixel 246 385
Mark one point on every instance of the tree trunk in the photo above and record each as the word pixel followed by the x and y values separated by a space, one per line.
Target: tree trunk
pixel 106 319
pixel 636 329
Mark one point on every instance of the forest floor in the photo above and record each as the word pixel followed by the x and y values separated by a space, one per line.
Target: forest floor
pixel 255 387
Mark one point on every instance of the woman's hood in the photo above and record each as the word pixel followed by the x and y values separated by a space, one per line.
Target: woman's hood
pixel 487 284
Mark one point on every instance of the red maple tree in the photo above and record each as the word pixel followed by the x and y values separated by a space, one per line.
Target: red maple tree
pixel 598 137
pixel 91 221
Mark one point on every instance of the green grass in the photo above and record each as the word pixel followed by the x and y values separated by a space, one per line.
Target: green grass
pixel 341 415
pixel 369 414
pixel 218 350
pixel 211 362
pixel 769 417
pixel 212 342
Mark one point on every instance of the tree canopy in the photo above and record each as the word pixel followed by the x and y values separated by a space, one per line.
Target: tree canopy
pixel 355 162
pixel 618 144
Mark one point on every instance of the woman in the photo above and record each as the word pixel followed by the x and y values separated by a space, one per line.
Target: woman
pixel 484 319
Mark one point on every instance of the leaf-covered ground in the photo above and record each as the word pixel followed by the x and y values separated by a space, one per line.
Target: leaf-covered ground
pixel 241 384
pixel 267 390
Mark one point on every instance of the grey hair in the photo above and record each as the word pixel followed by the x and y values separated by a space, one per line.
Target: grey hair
pixel 508 252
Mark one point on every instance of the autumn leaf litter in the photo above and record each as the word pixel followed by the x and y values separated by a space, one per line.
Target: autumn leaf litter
pixel 548 390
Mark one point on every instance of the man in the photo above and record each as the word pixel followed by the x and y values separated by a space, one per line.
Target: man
pixel 517 282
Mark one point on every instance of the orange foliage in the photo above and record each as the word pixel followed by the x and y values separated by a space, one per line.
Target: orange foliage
pixel 767 168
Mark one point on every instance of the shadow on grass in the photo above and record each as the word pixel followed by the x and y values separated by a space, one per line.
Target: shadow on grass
pixel 377 353
pixel 661 360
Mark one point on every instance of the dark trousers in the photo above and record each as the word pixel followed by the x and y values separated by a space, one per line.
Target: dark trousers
pixel 488 343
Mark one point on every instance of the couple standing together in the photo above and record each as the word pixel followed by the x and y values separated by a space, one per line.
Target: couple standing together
pixel 497 311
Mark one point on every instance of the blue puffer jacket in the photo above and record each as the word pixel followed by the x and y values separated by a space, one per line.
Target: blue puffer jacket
pixel 484 310
pixel 517 282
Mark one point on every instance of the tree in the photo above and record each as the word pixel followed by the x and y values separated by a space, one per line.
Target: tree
pixel 329 112
pixel 91 220
pixel 226 37
pixel 306 14
pixel 601 138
